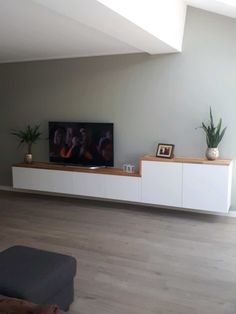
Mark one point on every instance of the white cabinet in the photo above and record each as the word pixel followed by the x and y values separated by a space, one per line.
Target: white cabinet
pixel 207 187
pixel 162 183
pixel 117 187
pixel 180 182
pixel 123 188
pixel 202 186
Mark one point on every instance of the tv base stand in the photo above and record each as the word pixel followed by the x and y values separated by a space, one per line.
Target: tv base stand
pixel 190 183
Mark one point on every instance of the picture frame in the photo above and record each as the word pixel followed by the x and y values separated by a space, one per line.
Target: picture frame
pixel 165 150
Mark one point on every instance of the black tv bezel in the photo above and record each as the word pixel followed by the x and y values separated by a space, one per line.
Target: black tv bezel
pixel 65 161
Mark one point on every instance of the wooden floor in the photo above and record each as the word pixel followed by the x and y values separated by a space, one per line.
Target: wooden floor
pixel 131 260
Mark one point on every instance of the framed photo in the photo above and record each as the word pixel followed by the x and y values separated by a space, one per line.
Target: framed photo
pixel 165 150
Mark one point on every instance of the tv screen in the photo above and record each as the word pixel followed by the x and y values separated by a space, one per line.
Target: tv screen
pixel 85 144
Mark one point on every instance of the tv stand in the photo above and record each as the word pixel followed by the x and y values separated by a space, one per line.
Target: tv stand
pixel 80 166
pixel 106 183
pixel 190 183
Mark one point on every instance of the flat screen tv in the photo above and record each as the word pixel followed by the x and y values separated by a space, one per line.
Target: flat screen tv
pixel 85 144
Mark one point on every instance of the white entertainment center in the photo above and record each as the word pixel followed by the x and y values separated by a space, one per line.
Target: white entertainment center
pixel 189 183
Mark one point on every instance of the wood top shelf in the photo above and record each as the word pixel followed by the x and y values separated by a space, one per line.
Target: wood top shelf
pixel 190 160
pixel 52 166
pixel 119 171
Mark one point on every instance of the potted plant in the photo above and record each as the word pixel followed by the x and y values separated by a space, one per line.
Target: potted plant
pixel 214 135
pixel 28 136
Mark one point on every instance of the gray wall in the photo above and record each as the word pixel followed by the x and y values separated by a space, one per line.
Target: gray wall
pixel 150 99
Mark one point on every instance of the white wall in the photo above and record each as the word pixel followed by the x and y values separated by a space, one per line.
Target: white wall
pixel 149 99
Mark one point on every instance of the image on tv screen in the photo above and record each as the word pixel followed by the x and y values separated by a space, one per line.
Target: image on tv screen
pixel 86 144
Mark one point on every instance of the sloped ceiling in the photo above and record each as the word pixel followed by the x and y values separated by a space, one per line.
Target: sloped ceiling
pixel 51 29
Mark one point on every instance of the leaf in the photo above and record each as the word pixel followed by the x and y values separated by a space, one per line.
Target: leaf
pixel 211 119
pixel 222 134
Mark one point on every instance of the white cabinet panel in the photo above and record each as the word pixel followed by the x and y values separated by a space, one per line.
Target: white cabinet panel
pixel 206 187
pixel 123 188
pixel 32 179
pixel 89 184
pixel 180 184
pixel 61 181
pixel 162 183
pixel 43 180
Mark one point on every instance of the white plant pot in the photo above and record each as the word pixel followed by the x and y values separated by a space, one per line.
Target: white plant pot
pixel 28 158
pixel 212 153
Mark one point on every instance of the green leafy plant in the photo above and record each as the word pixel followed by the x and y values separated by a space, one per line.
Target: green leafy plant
pixel 28 136
pixel 213 133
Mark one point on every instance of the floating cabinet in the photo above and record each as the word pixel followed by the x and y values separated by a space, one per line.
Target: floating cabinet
pixel 110 183
pixel 190 183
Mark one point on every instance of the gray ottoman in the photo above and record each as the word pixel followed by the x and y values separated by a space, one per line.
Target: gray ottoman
pixel 38 276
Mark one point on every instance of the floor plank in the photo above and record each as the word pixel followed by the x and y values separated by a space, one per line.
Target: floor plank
pixel 131 259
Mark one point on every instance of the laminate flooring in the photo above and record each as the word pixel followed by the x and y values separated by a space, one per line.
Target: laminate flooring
pixel 131 259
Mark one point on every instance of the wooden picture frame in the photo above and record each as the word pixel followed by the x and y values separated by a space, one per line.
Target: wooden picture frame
pixel 165 150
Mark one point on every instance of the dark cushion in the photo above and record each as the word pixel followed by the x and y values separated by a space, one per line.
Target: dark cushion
pixel 34 274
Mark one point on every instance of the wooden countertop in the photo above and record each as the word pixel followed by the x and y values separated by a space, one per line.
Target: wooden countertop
pixel 119 171
pixel 100 170
pixel 189 160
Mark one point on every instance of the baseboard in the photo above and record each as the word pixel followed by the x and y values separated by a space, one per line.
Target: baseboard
pixel 232 213
pixel 6 188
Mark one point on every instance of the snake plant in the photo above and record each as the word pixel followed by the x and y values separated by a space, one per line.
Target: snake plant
pixel 213 132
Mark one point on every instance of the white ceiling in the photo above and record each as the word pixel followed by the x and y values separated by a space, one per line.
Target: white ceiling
pixel 51 29
pixel 223 7
pixel 29 31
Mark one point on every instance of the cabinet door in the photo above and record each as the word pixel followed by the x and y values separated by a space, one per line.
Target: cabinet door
pixel 89 184
pixel 123 188
pixel 206 187
pixel 32 179
pixel 61 181
pixel 162 183
pixel 43 180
